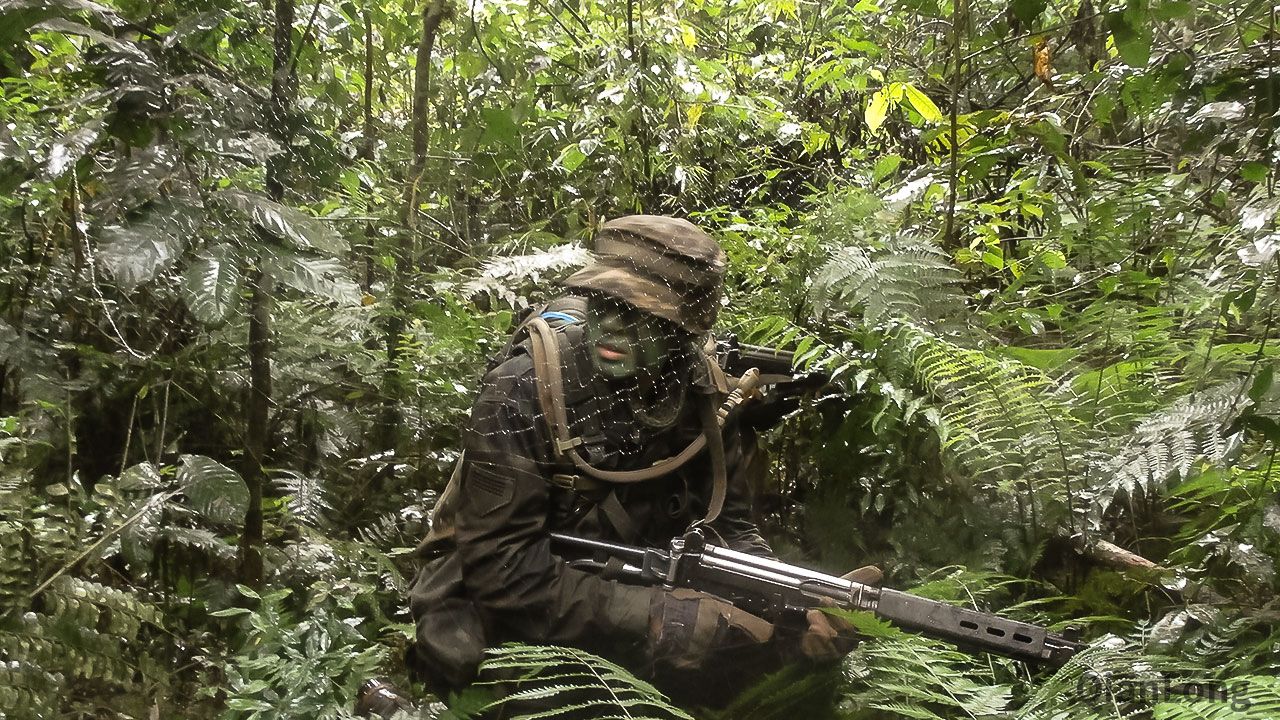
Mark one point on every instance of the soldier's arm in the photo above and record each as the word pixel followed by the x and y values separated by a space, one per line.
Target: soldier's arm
pixel 505 548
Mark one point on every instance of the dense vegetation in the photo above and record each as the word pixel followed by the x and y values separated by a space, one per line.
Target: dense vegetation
pixel 253 257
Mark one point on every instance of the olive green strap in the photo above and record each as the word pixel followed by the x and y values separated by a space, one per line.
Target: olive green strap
pixel 550 381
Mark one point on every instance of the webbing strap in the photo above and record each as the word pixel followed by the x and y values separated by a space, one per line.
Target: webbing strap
pixel 550 381
pixel 719 471
pixel 619 518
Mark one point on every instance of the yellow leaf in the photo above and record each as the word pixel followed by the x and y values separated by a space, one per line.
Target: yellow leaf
pixel 877 111
pixel 693 113
pixel 688 37
pixel 922 104
pixel 368 299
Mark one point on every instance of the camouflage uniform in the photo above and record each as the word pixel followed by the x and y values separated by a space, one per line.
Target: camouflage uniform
pixel 490 574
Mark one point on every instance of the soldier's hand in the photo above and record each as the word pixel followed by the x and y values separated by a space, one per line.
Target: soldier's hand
pixel 828 637
pixel 687 627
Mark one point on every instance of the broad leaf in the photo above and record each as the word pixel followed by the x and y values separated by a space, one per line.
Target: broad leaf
pixel 213 283
pixel 571 158
pixel 1028 11
pixel 67 27
pixel 500 127
pixel 325 277
pixel 18 15
pixel 213 489
pixel 1131 32
pixel 135 180
pixel 193 25
pixel 71 148
pixel 137 252
pixel 293 226
pixel 877 111
pixel 922 104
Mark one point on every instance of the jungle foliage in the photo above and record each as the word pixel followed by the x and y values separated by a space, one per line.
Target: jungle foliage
pixel 254 255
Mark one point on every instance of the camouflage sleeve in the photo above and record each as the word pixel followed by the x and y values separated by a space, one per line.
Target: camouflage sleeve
pixel 523 590
pixel 745 464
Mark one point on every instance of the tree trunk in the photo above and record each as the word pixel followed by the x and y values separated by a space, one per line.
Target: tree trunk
pixel 257 441
pixel 432 15
pixel 368 146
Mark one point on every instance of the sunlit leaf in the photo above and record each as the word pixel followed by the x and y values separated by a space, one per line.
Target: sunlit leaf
pixel 571 158
pixel 877 111
pixel 16 16
pixel 212 284
pixel 193 25
pixel 213 489
pixel 70 148
pixel 323 277
pixel 137 251
pixel 922 104
pixel 293 226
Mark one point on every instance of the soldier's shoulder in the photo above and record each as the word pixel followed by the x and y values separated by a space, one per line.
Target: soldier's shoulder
pixel 514 375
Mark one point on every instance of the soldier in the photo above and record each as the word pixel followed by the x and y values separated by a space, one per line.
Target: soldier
pixel 601 421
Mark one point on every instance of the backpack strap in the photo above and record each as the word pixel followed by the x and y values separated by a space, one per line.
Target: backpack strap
pixel 548 376
pixel 550 381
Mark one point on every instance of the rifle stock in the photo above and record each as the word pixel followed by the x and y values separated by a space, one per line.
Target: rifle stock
pixel 773 589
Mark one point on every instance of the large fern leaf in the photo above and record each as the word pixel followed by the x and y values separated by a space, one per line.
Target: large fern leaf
pixel 528 682
pixel 905 279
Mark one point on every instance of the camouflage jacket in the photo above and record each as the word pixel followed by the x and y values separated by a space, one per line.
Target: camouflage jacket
pixel 490 574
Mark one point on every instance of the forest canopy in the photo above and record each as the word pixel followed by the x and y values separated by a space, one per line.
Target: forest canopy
pixel 254 258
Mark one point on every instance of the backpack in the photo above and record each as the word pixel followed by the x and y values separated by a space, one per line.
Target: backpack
pixel 547 331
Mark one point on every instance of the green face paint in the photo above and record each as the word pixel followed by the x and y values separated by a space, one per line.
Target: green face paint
pixel 627 343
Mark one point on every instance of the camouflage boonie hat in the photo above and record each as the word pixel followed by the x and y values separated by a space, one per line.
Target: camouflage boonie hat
pixel 665 266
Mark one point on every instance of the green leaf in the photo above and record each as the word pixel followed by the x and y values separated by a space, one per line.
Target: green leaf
pixel 324 277
pixel 1053 259
pixel 885 166
pixel 499 127
pixel 70 148
pixel 571 157
pixel 213 489
pixel 138 252
pixel 213 283
pixel 1267 427
pixel 877 111
pixel 230 612
pixel 1129 28
pixel 288 224
pixel 193 25
pixel 1262 383
pixel 1028 10
pixel 18 15
pixel 1254 171
pixel 922 104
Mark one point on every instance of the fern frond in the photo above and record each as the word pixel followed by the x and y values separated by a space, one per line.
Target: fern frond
pixel 1166 445
pixel 532 682
pixel 305 496
pixel 908 279
pixel 1000 414
pixel 1251 697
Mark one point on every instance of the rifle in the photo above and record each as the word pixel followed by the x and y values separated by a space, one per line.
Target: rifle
pixel 777 367
pixel 775 590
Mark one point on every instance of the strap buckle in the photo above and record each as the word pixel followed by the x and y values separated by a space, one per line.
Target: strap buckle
pixel 566 481
pixel 565 445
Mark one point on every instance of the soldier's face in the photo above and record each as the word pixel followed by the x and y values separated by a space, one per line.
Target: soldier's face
pixel 627 343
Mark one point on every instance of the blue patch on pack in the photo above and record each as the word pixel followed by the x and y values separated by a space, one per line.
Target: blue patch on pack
pixel 563 317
